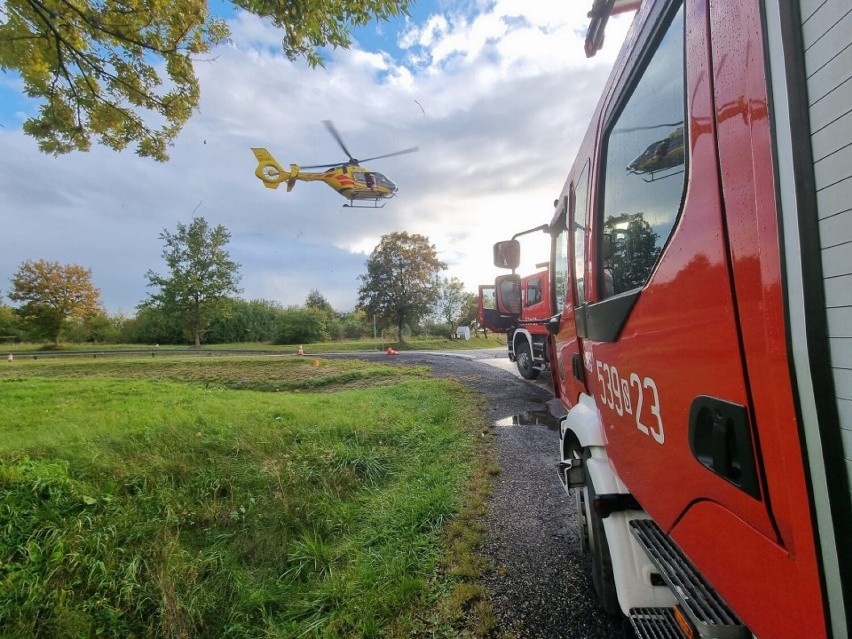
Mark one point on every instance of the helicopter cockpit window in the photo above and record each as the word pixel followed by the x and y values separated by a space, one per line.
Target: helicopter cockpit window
pixel 381 180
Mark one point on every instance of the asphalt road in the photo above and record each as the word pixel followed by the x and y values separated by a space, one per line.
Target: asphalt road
pixel 540 583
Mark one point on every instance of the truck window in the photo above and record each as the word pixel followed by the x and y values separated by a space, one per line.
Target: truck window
pixel 489 298
pixel 533 292
pixel 644 169
pixel 579 212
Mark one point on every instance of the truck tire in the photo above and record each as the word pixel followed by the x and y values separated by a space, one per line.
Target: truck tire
pixel 524 360
pixel 602 576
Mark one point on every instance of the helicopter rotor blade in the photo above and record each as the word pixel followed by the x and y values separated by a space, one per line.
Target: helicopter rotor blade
pixel 387 155
pixel 322 166
pixel 330 126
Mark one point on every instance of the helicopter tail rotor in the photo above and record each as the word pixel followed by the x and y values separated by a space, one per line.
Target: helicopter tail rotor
pixel 271 173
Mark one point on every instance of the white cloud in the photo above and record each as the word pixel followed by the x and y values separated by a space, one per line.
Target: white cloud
pixel 497 101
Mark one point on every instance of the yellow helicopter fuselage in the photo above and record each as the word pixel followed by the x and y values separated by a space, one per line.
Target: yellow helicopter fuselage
pixel 351 181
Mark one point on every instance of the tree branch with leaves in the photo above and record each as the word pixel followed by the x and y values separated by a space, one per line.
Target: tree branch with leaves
pixel 121 71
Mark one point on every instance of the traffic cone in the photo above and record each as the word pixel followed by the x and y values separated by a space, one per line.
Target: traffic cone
pixel 301 350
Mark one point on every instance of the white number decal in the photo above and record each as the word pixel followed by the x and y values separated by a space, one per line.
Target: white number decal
pixel 616 386
pixel 625 393
pixel 610 402
pixel 618 394
pixel 635 381
pixel 657 433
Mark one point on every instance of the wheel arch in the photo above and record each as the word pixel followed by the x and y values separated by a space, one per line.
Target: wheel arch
pixel 521 333
pixel 583 424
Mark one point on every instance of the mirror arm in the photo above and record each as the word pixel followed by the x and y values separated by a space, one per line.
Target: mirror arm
pixel 544 227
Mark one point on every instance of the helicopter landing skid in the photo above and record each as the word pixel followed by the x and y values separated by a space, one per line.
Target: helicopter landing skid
pixel 376 205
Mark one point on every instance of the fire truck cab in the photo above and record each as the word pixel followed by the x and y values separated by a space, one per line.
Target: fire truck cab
pixel 519 306
pixel 702 269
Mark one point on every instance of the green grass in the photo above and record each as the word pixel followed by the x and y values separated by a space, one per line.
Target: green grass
pixel 236 497
pixel 340 346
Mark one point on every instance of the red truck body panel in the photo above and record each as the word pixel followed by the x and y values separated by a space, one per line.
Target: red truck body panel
pixel 708 322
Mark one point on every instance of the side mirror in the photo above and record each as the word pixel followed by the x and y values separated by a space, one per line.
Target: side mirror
pixel 507 254
pixel 552 324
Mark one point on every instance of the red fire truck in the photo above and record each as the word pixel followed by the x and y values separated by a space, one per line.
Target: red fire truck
pixel 702 273
pixel 519 311
pixel 519 307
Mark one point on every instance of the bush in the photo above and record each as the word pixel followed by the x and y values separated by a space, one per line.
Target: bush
pixel 101 329
pixel 10 325
pixel 152 326
pixel 254 321
pixel 297 325
pixel 356 325
pixel 435 329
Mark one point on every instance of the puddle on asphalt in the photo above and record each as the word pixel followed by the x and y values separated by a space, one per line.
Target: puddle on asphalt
pixel 530 418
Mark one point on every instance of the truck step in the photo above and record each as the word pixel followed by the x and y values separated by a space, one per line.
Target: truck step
pixel 702 605
pixel 655 623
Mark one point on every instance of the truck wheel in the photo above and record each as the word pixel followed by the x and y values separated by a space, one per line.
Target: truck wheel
pixel 602 576
pixel 524 361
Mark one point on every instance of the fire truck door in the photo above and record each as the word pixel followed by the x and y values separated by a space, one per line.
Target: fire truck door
pixel 569 251
pixel 660 326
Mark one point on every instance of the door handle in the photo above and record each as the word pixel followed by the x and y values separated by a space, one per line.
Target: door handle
pixel 577 367
pixel 720 439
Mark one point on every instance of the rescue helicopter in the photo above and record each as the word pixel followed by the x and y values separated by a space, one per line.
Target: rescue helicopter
pixel 662 159
pixel 356 183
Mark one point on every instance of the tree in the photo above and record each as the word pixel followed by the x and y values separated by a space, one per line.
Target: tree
pixel 470 311
pixel 634 250
pixel 53 294
pixel 400 283
pixel 98 66
pixel 452 300
pixel 317 300
pixel 202 275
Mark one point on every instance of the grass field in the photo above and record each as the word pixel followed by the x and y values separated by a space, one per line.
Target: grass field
pixel 238 497
pixel 339 346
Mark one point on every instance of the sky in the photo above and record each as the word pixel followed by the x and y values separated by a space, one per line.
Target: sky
pixel 497 95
